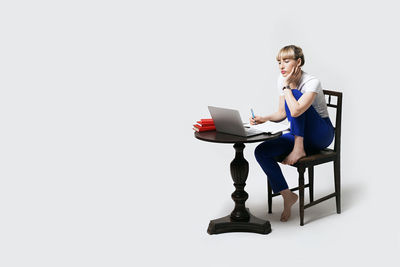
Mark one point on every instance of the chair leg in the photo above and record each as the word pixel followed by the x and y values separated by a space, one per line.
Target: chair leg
pixel 336 166
pixel 269 197
pixel 311 182
pixel 301 171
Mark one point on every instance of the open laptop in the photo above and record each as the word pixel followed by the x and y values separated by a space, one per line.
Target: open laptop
pixel 229 121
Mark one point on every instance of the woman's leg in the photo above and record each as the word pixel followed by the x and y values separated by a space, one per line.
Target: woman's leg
pixel 265 154
pixel 311 131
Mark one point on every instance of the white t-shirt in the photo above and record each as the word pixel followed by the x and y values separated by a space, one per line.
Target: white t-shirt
pixel 309 83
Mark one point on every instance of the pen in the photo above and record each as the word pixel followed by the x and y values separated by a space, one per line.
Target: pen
pixel 252 113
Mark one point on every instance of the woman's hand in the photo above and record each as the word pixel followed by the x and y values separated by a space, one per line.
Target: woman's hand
pixel 293 78
pixel 257 120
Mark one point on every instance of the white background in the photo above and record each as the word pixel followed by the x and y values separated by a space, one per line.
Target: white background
pixel 99 165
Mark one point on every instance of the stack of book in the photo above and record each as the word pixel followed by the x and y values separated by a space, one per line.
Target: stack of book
pixel 204 125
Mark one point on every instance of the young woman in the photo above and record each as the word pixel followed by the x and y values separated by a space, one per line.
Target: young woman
pixel 302 101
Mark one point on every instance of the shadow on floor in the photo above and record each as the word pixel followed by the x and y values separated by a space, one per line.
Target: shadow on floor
pixel 350 196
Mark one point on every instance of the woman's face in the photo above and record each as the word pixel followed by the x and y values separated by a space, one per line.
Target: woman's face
pixel 286 65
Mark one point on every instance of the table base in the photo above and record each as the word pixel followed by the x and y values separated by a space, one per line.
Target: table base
pixel 226 224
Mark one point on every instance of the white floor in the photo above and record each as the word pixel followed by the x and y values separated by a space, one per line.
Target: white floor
pixel 116 215
pixel 364 233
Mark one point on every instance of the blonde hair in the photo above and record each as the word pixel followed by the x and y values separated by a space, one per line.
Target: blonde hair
pixel 291 52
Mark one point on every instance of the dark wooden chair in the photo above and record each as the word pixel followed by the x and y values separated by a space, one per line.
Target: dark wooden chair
pixel 323 156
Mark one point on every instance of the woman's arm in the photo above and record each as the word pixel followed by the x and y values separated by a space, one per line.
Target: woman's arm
pixel 298 107
pixel 278 116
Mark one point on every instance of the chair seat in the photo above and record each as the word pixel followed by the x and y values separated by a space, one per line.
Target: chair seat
pixel 322 156
pixel 319 157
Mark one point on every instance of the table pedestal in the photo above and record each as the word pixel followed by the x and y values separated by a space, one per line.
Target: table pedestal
pixel 240 219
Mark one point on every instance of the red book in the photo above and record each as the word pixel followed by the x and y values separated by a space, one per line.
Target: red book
pixel 207 120
pixel 199 128
pixel 205 123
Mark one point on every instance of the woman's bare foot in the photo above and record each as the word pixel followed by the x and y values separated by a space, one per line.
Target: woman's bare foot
pixel 289 198
pixel 297 152
pixel 294 156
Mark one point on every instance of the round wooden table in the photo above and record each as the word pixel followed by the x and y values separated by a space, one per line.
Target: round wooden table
pixel 240 219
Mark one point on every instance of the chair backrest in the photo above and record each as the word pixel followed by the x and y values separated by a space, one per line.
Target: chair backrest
pixel 338 122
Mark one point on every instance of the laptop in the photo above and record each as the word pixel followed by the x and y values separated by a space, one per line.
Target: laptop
pixel 229 121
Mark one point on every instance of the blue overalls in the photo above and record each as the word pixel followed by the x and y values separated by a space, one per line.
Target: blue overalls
pixel 318 134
